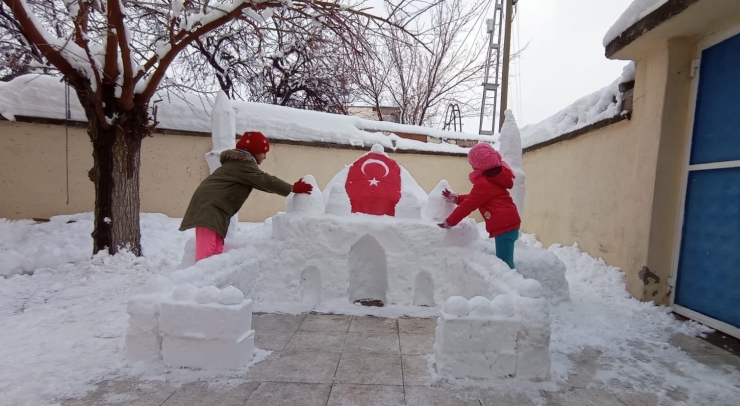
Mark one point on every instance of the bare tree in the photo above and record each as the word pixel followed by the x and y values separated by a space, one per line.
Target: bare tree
pixel 116 54
pixel 421 83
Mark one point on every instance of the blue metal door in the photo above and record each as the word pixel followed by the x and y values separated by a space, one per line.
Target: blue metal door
pixel 708 278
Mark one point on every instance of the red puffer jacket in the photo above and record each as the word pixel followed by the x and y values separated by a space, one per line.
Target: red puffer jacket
pixel 491 196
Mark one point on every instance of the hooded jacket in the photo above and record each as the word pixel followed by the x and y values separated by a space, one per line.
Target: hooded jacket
pixel 223 193
pixel 491 196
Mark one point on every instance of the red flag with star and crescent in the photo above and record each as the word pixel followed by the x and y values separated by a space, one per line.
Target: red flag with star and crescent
pixel 374 185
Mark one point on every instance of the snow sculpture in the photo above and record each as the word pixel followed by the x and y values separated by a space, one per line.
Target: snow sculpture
pixel 437 207
pixel 375 184
pixel 204 328
pixel 511 150
pixel 506 337
pixel 223 134
pixel 368 272
pixel 306 203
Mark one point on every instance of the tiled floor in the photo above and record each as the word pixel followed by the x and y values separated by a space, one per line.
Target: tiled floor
pixel 331 360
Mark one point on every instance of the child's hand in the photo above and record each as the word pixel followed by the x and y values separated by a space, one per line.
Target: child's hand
pixel 302 187
pixel 443 225
pixel 450 196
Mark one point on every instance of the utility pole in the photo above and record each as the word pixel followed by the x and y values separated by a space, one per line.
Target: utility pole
pixel 507 56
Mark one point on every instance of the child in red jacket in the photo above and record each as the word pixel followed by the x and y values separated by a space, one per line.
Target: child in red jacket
pixel 492 178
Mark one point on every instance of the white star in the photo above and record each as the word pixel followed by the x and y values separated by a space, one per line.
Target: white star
pixel 374 182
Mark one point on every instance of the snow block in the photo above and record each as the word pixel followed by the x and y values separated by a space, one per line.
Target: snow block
pixel 460 334
pixel 471 364
pixel 141 346
pixel 463 234
pixel 179 352
pixel 480 338
pixel 143 314
pixel 438 208
pixel 205 321
pixel 311 285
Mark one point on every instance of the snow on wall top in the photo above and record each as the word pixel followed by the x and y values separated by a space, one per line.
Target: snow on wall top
pixel 636 11
pixel 43 97
pixel 600 105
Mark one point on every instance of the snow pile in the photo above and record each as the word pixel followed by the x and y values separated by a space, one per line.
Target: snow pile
pixel 600 105
pixel 483 339
pixel 43 96
pixel 306 203
pixel 636 11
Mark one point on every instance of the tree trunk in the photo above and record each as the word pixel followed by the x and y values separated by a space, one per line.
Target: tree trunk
pixel 117 156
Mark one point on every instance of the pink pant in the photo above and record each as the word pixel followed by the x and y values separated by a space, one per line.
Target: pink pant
pixel 207 243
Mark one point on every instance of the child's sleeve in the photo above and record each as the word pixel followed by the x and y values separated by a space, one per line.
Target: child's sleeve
pixel 471 202
pixel 266 182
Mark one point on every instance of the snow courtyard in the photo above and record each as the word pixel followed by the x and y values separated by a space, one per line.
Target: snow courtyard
pixel 64 332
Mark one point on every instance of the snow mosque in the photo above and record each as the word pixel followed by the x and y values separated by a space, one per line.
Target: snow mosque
pixel 369 238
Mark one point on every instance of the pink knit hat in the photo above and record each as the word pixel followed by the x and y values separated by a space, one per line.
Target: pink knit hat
pixel 482 157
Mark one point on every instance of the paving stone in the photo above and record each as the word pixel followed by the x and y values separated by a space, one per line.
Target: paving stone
pixel 296 366
pixel 272 340
pixel 369 369
pixel 326 322
pixel 317 341
pixel 489 398
pixel 278 322
pixel 723 362
pixel 638 399
pixel 129 392
pixel 424 396
pixel 289 394
pixel 582 397
pixel 416 370
pixel 203 394
pixel 695 346
pixel 373 325
pixel 366 395
pixel 372 342
pixel 417 343
pixel 417 326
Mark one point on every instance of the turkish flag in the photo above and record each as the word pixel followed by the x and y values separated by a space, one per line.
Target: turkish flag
pixel 374 185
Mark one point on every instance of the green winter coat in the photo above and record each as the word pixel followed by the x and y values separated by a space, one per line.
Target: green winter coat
pixel 222 194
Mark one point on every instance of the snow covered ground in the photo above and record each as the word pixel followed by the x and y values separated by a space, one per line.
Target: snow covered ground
pixel 64 326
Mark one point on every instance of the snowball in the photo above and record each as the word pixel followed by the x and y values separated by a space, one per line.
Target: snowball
pixel 378 149
pixel 480 306
pixel 530 288
pixel 185 292
pixel 503 305
pixel 457 306
pixel 230 296
pixel 207 294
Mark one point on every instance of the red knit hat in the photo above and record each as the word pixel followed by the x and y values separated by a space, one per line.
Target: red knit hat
pixel 482 157
pixel 255 142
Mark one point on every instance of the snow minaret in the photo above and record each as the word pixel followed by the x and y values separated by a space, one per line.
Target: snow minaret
pixel 223 133
pixel 511 150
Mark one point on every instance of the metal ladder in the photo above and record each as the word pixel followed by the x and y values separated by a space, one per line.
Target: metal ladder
pixel 491 83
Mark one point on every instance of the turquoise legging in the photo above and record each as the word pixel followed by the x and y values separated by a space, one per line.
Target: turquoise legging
pixel 505 246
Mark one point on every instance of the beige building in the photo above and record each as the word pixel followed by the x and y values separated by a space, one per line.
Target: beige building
pixel 658 194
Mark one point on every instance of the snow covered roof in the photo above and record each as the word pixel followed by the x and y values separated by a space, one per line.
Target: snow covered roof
pixel 41 96
pixel 600 105
pixel 636 11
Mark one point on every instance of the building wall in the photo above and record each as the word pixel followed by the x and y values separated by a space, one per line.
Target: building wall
pixel 616 191
pixel 33 173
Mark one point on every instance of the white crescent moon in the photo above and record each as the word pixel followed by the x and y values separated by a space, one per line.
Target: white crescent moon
pixel 375 161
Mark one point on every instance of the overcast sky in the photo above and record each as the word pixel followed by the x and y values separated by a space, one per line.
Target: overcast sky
pixel 565 58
